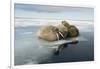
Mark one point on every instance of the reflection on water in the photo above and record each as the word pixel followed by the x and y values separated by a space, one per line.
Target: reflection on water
pixel 62 46
pixel 28 50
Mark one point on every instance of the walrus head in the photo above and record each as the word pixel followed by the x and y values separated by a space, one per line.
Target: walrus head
pixel 73 31
pixel 49 33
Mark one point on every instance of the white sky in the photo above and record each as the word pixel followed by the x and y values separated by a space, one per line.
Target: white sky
pixel 44 14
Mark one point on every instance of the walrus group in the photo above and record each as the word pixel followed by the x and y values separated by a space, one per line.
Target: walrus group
pixel 61 31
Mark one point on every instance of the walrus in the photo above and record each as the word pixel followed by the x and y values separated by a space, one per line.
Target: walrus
pixel 61 31
pixel 49 33
pixel 73 31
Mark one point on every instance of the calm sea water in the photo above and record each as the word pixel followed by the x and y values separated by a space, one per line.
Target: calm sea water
pixel 28 50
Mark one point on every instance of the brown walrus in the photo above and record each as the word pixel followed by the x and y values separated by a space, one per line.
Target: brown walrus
pixel 73 31
pixel 61 31
pixel 49 33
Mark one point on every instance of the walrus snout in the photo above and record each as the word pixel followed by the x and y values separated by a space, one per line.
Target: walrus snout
pixel 49 33
pixel 55 29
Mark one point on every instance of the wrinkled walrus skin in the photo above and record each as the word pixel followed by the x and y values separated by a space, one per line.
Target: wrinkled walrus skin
pixel 61 31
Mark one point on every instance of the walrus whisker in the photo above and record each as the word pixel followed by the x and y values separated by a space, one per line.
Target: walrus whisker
pixel 57 36
pixel 61 34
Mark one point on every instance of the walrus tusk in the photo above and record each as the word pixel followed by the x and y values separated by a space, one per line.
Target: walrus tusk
pixel 57 36
pixel 61 34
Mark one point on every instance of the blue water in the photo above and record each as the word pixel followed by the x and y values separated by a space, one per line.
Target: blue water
pixel 28 50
